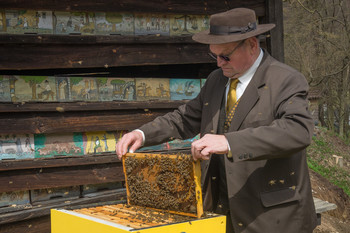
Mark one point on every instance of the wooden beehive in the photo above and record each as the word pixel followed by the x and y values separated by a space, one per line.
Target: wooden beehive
pixel 169 182
pixel 164 195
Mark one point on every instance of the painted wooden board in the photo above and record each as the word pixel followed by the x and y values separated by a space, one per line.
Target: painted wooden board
pixel 169 182
pixel 203 82
pixel 34 88
pixel 63 89
pixel 181 89
pixel 5 89
pixel 84 89
pixel 114 23
pixel 74 23
pixel 29 21
pixel 50 145
pixel 152 24
pixel 100 142
pixel 188 24
pixel 13 146
pixel 152 89
pixel 111 89
pixel 14 198
pixel 39 195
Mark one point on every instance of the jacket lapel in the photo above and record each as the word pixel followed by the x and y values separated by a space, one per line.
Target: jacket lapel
pixel 251 94
pixel 217 96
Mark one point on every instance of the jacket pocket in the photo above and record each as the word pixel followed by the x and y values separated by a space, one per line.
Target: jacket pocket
pixel 278 197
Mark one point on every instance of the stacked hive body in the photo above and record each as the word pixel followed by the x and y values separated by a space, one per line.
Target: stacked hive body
pixel 164 195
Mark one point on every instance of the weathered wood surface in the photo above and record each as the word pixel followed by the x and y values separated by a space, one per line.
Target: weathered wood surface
pixel 99 55
pixel 41 178
pixel 42 210
pixel 8 165
pixel 275 43
pixel 35 225
pixel 92 39
pixel 88 106
pixel 154 6
pixel 53 122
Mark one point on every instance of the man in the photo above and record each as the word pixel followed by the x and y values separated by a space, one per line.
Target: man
pixel 254 166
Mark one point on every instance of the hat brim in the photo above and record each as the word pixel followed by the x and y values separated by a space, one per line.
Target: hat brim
pixel 205 38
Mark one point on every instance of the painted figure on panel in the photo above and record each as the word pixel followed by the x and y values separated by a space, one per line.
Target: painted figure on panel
pixel 74 22
pixel 114 23
pixel 100 142
pixel 84 89
pixel 152 88
pixel 63 88
pixel 16 146
pixel 29 21
pixel 151 24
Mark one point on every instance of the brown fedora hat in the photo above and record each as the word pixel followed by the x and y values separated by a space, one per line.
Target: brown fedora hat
pixel 230 26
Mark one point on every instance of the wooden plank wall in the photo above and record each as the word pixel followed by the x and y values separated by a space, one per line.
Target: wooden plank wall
pixel 42 54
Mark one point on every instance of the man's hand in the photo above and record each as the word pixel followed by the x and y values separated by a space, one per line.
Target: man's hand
pixel 209 144
pixel 133 140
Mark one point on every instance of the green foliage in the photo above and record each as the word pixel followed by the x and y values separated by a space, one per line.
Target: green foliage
pixel 320 158
pixel 75 80
pixel 336 176
pixel 117 82
pixel 102 81
pixel 33 79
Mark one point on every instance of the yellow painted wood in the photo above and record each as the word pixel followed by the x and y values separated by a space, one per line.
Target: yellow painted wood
pixel 66 222
pixel 208 225
pixel 197 180
pixel 62 222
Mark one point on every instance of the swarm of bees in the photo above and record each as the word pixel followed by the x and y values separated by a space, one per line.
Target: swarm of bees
pixel 161 182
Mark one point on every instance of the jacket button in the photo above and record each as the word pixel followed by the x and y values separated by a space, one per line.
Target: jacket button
pixel 245 156
pixel 240 157
pixel 250 155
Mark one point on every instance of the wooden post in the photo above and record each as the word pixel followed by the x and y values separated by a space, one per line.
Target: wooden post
pixel 339 160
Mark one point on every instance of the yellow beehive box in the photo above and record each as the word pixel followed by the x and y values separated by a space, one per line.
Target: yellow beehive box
pixel 163 193
pixel 118 219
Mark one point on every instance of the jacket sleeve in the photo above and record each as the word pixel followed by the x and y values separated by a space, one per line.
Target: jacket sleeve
pixel 183 123
pixel 287 131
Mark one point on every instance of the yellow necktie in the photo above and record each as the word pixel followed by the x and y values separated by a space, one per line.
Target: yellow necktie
pixel 231 96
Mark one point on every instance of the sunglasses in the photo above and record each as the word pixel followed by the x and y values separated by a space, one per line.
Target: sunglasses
pixel 227 57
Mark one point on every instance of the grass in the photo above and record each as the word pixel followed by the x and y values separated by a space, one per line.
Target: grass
pixel 320 158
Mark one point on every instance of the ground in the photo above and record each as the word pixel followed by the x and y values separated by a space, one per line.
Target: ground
pixel 322 149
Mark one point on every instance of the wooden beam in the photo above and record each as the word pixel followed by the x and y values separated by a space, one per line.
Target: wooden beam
pixel 152 6
pixel 43 210
pixel 9 165
pixel 92 39
pixel 36 123
pixel 89 106
pixel 15 57
pixel 36 225
pixel 275 43
pixel 41 178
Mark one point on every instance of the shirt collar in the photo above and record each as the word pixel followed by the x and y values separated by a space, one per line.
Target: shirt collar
pixel 247 76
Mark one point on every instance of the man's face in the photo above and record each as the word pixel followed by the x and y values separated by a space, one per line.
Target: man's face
pixel 240 60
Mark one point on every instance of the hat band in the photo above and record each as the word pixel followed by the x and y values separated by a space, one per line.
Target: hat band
pixel 227 30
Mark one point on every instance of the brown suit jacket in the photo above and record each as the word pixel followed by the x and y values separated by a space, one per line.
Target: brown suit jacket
pixel 267 178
